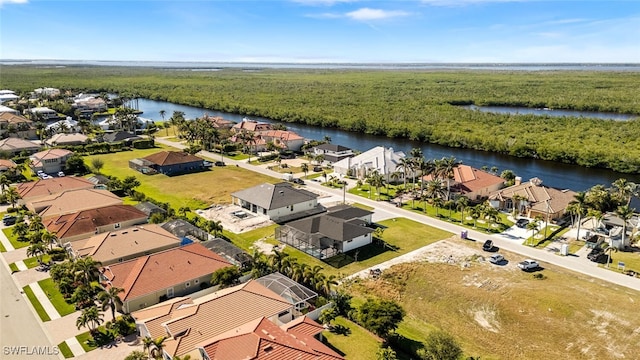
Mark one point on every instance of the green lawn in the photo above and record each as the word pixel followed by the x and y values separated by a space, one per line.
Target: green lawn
pixel 13 239
pixel 13 267
pixel 33 261
pixel 356 344
pixel 575 245
pixel 86 341
pixel 197 190
pixel 36 304
pixel 630 259
pixel 65 350
pixel 56 298
pixel 2 248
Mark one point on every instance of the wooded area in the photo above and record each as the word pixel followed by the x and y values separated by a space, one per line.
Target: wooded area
pixel 419 105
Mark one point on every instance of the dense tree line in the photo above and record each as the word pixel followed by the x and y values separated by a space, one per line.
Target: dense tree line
pixel 418 105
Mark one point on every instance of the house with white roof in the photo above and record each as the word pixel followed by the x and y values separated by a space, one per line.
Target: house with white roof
pixel 384 160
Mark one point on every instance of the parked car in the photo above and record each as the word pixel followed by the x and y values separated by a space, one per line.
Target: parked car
pixel 220 163
pixel 298 181
pixel 487 246
pixel 496 259
pixel 60 173
pixel 9 220
pixel 596 255
pixel 522 223
pixel 528 265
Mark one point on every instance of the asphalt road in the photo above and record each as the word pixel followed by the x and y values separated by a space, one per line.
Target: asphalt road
pixel 21 334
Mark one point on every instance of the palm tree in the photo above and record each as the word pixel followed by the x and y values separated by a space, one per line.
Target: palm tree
pixel 579 207
pixel 259 265
pixel 461 203
pixel 5 182
pixel 162 113
pixel 110 299
pixel 305 169
pixel 91 318
pixel 517 202
pixel 214 227
pixel 609 250
pixel 298 272
pixel 49 237
pixel 437 203
pixel 86 270
pixel 376 180
pixel 533 226
pixel 404 167
pixel 444 168
pixel 275 260
pixel 475 213
pixel 624 213
pixel 311 274
pixel 20 230
pixel 154 346
pixel 492 214
pixel 12 196
pixel 37 249
pixel 624 190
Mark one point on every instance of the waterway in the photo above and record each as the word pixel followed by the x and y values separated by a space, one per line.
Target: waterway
pixel 553 174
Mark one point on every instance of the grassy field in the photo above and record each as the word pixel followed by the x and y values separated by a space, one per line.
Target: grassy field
pixel 196 190
pixel 500 312
pixel 356 344
pixel 631 259
pixel 36 304
pixel 13 239
pixel 56 298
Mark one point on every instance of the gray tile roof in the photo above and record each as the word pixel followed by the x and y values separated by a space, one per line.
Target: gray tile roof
pixel 274 196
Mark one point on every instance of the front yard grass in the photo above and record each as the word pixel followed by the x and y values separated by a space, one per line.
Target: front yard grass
pixel 13 267
pixel 36 304
pixel 196 190
pixel 357 343
pixel 65 350
pixel 2 248
pixel 86 341
pixel 33 261
pixel 56 298
pixel 631 260
pixel 13 239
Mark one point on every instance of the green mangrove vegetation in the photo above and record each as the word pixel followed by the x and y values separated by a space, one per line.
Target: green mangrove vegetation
pixel 412 104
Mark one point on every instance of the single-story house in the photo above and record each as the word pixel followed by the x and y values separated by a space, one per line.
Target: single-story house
pixel 279 202
pixel 332 153
pixel 62 139
pixel 50 161
pixel 188 322
pixel 14 125
pixel 124 244
pixel 261 339
pixel 385 161
pixel 154 278
pixel 90 103
pixel 86 223
pixel 169 163
pixel 125 137
pixel 341 229
pixel 533 199
pixel 71 201
pixel 33 190
pixel 7 96
pixel 473 183
pixel 16 146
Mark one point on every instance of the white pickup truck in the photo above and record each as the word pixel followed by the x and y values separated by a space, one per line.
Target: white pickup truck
pixel 528 264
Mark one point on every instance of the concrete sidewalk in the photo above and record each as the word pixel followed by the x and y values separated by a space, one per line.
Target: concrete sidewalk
pixel 75 346
pixel 5 242
pixel 44 301
pixel 21 266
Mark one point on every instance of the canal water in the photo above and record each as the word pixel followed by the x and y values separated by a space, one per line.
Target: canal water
pixel 553 174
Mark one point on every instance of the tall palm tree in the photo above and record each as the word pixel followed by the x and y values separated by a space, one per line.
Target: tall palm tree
pixel 624 190
pixel 461 203
pixel 49 237
pixel 445 168
pixel 624 213
pixel 608 251
pixel 405 167
pixel 305 169
pixel 12 196
pixel 579 207
pixel 5 182
pixel 86 269
pixel 109 299
pixel 162 113
pixel 533 226
pixel 154 346
pixel 91 318
pixel 376 180
pixel 37 250
pixel 275 260
pixel 20 230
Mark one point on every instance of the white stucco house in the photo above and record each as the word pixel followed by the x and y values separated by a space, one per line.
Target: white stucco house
pixel 384 160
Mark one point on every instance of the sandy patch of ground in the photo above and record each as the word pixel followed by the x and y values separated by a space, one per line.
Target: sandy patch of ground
pixel 266 248
pixel 235 224
pixel 486 318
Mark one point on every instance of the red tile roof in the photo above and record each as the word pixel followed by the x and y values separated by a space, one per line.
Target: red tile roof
pixel 147 274
pixel 467 179
pixel 56 185
pixel 261 339
pixel 164 158
pixel 86 221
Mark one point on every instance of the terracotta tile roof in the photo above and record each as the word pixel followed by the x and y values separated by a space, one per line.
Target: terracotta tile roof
pixel 467 179
pixel 164 158
pixel 231 307
pixel 56 185
pixel 284 135
pixel 64 138
pixel 110 246
pixel 261 339
pixel 6 164
pixel 154 316
pixel 51 154
pixel 303 325
pixel 162 270
pixel 86 221
pixel 12 118
pixel 252 125
pixel 15 145
pixel 71 201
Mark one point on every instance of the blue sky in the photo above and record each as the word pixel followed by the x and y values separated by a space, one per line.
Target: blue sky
pixel 484 31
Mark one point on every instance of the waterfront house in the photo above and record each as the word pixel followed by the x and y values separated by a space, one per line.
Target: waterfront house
pixel 168 163
pixel 332 153
pixel 125 137
pixel 188 322
pixel 86 223
pixel 341 229
pixel 282 139
pixel 154 278
pixel 279 202
pixel 383 160
pixel 123 244
pixel 60 126
pixel 50 161
pixel 473 183
pixel 16 146
pixel 47 92
pixel 219 122
pixel 252 126
pixel 533 199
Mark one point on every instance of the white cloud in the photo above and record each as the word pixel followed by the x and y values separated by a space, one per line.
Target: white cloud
pixel 366 14
pixel 465 2
pixel 2 2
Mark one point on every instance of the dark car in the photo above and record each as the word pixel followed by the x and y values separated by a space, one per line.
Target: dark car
pixel 297 181
pixel 596 255
pixel 487 246
pixel 10 220
pixel 522 223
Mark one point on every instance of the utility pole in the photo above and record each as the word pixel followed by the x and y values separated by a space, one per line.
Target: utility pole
pixel 547 223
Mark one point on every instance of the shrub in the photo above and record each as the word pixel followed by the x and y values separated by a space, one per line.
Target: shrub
pixel 440 346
